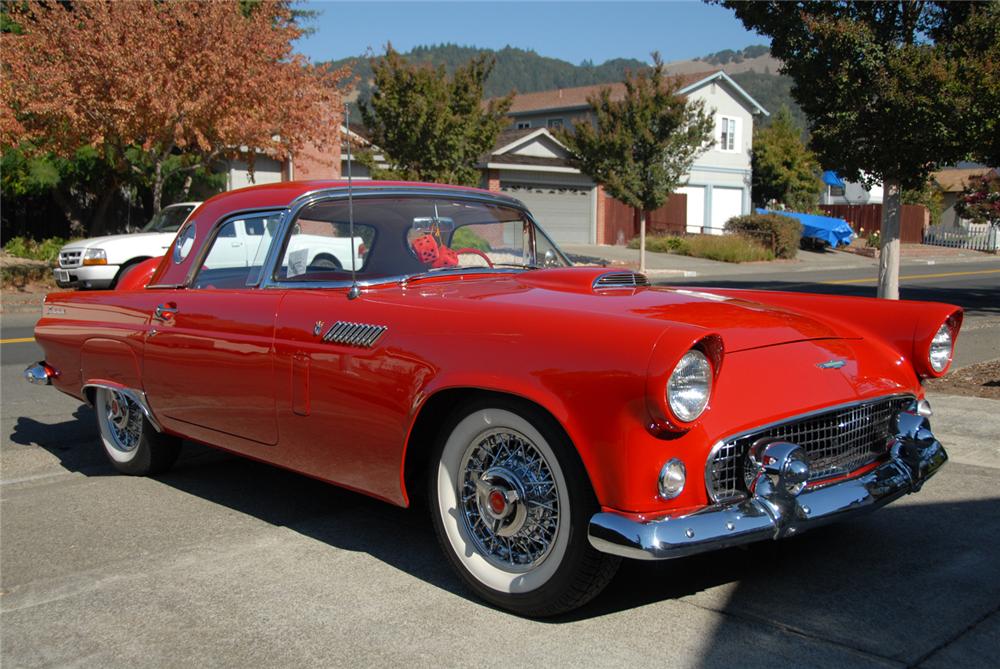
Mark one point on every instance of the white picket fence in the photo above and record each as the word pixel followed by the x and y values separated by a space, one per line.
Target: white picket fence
pixel 981 237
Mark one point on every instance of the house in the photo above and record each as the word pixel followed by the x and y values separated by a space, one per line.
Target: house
pixel 530 163
pixel 951 182
pixel 310 163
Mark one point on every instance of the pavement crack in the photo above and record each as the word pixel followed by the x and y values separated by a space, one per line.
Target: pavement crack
pixel 955 637
pixel 798 632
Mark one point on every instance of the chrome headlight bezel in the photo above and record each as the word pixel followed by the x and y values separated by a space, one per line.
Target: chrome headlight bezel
pixel 689 387
pixel 941 349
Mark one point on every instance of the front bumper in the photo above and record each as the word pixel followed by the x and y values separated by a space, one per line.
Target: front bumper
pixel 772 512
pixel 86 276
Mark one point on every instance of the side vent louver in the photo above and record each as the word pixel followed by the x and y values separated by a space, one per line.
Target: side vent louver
pixel 354 334
pixel 620 280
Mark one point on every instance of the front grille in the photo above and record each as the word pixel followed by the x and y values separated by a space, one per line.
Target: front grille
pixel 620 280
pixel 838 442
pixel 69 259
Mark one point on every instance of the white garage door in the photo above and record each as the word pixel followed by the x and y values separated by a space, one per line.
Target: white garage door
pixel 726 203
pixel 695 207
pixel 564 213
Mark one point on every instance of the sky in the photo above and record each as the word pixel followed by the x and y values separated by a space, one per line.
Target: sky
pixel 571 31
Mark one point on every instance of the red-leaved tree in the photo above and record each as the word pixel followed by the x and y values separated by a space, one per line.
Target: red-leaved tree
pixel 144 80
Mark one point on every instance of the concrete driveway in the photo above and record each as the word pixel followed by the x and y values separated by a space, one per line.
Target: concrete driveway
pixel 226 562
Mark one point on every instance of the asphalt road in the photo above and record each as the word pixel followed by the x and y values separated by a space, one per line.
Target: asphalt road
pixel 227 562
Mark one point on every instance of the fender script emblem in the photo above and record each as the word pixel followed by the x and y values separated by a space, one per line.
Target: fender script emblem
pixel 831 364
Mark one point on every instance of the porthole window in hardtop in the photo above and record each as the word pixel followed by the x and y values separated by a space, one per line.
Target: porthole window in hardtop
pixel 402 236
pixel 184 243
pixel 238 252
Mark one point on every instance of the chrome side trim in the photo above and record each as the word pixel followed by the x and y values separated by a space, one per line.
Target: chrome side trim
pixel 792 419
pixel 776 512
pixel 137 396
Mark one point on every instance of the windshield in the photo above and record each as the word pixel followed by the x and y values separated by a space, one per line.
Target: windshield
pixel 412 235
pixel 169 219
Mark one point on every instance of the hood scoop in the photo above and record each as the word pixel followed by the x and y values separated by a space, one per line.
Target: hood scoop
pixel 611 280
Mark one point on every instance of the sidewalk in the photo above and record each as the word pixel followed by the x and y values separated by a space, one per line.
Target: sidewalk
pixel 668 264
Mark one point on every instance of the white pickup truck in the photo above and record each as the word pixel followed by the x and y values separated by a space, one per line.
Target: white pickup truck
pixel 99 262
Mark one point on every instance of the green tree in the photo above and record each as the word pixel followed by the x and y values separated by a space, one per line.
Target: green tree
pixel 641 146
pixel 429 125
pixel 886 89
pixel 784 169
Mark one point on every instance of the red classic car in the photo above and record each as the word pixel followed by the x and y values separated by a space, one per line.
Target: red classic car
pixel 557 418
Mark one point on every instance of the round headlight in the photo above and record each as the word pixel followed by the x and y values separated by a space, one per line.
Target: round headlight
pixel 939 354
pixel 689 386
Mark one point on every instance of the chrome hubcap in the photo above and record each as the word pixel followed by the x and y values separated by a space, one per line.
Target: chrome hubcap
pixel 124 421
pixel 509 499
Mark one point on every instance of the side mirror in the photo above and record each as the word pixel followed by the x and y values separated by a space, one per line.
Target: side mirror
pixel 550 259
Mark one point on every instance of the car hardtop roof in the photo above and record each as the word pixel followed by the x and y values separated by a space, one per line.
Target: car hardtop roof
pixel 284 192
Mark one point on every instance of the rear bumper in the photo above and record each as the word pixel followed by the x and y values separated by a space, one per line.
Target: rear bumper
pixel 91 276
pixel 774 513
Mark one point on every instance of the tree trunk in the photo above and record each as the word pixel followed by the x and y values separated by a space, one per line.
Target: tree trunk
pixel 76 226
pixel 642 240
pixel 158 179
pixel 187 186
pixel 888 264
pixel 99 223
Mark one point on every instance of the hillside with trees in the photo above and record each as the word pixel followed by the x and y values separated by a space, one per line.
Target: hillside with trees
pixel 526 71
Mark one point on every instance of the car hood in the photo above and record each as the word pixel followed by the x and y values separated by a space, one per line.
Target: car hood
pixel 143 238
pixel 569 294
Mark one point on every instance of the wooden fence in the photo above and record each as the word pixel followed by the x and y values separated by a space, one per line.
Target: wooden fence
pixel 621 223
pixel 868 217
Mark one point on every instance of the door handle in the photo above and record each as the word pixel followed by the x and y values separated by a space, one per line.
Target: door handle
pixel 165 312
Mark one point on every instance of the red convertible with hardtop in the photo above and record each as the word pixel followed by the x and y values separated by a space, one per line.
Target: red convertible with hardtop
pixel 422 341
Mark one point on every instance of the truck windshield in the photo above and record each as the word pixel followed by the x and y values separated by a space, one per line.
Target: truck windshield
pixel 169 219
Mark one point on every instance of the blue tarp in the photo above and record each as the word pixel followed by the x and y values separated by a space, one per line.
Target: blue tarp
pixel 830 178
pixel 833 231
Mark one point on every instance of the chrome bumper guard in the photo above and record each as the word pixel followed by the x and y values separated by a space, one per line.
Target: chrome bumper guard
pixel 39 373
pixel 779 505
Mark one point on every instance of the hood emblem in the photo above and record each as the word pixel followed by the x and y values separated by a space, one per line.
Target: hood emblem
pixel 318 328
pixel 831 364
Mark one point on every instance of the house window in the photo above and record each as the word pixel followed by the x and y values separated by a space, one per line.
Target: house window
pixel 521 125
pixel 837 191
pixel 555 123
pixel 728 136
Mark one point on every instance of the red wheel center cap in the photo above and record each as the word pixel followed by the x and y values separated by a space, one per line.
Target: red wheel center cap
pixel 497 501
pixel 115 409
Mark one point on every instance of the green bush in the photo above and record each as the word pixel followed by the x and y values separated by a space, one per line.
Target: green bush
pixel 46 250
pixel 464 238
pixel 662 244
pixel 727 248
pixel 779 233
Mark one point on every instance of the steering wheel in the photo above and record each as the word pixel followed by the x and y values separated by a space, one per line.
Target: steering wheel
pixel 476 252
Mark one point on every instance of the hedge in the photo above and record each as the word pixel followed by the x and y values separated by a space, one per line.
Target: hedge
pixel 779 233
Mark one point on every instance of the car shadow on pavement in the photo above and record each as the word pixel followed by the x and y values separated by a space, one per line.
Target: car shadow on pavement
pixel 873 578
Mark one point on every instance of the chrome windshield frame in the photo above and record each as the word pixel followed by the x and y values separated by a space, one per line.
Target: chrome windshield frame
pixel 294 208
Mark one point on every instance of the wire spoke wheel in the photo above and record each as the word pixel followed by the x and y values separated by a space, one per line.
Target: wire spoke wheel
pixel 123 418
pixel 509 499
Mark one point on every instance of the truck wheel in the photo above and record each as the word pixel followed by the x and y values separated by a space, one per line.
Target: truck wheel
pixel 130 441
pixel 511 503
pixel 125 269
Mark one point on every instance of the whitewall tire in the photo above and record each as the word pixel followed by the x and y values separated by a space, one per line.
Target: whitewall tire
pixel 510 503
pixel 130 441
